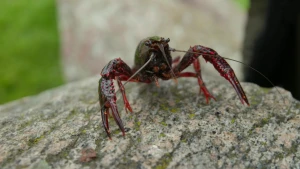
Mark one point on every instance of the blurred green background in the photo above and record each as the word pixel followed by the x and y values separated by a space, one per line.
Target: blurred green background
pixel 245 4
pixel 29 47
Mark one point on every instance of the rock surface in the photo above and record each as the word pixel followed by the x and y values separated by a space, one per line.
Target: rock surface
pixel 171 127
pixel 95 31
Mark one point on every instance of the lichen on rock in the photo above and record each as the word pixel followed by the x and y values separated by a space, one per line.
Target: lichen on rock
pixel 171 127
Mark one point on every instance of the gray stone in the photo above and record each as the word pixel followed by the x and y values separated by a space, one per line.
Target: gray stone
pixel 171 127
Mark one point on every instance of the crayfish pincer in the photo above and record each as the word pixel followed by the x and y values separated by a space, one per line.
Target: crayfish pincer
pixel 152 61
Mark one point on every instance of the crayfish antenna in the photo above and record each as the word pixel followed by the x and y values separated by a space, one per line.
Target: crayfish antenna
pixel 258 73
pixel 164 54
pixel 150 59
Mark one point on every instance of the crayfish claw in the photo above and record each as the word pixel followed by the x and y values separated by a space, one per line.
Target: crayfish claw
pixel 107 98
pixel 217 61
pixel 227 72
pixel 104 116
pixel 117 118
pixel 237 87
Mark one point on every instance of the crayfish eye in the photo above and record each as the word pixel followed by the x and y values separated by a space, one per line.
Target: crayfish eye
pixel 148 43
pixel 168 40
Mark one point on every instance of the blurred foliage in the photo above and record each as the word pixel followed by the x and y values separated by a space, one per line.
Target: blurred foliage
pixel 245 4
pixel 29 48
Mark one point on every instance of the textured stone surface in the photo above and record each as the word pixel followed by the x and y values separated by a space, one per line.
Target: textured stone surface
pixel 95 31
pixel 171 127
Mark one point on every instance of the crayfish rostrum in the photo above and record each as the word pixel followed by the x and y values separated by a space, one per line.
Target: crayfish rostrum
pixel 152 61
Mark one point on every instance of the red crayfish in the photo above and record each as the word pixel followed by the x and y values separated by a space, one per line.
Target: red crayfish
pixel 153 60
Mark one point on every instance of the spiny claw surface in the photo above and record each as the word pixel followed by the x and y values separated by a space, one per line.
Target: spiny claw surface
pixel 107 98
pixel 224 69
pixel 115 69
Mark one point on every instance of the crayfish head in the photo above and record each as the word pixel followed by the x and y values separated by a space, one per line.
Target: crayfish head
pixel 161 63
pixel 155 41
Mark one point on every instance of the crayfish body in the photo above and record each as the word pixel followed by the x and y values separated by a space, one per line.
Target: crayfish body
pixel 153 61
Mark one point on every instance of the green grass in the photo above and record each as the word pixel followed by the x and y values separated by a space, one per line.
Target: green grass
pixel 245 4
pixel 29 48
